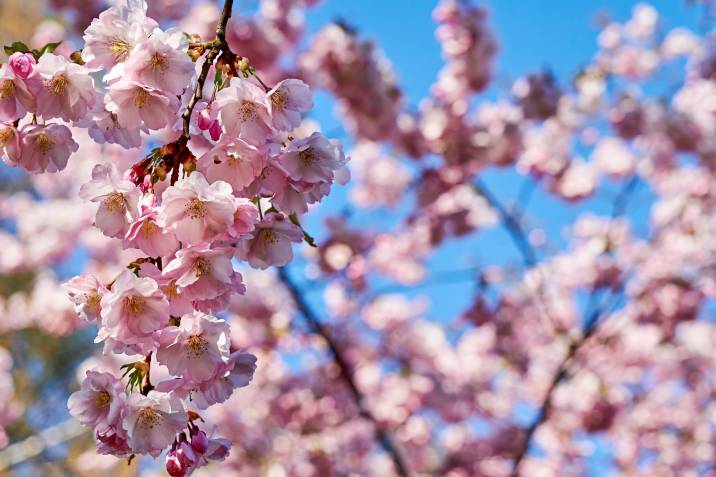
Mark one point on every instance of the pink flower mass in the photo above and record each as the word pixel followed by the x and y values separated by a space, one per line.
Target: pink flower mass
pixel 505 267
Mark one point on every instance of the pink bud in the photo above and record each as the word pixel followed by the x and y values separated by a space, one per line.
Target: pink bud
pixel 174 467
pixel 204 121
pixel 200 442
pixel 215 130
pixel 186 455
pixel 22 64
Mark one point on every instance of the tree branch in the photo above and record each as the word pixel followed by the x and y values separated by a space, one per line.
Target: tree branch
pixel 215 47
pixel 384 438
pixel 591 322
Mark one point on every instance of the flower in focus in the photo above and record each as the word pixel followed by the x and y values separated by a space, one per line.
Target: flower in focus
pixel 152 422
pixel 118 200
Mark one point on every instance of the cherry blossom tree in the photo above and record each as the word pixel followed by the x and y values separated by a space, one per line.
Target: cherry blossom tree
pixel 167 194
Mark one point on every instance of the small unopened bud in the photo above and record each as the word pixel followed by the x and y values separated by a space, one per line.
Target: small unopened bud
pixel 242 64
pixel 174 466
pixel 200 442
pixel 189 165
pixel 76 57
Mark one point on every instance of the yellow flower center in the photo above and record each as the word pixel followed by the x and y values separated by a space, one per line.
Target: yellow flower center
pixel 307 156
pixel 196 209
pixel 43 143
pixel 158 62
pixel 115 202
pixel 268 236
pixel 58 84
pixel 149 228
pixel 201 267
pixel 171 290
pixel 247 110
pixel 141 98
pixel 134 303
pixel 5 135
pixel 102 399
pixel 278 100
pixel 7 90
pixel 93 302
pixel 148 418
pixel 120 49
pixel 196 346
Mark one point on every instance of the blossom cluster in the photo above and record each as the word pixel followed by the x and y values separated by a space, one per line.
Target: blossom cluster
pixel 228 185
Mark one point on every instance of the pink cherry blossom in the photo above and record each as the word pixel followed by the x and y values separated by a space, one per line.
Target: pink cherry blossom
pixel 15 99
pixel 201 272
pixel 118 200
pixel 86 292
pixel 245 218
pixel 100 402
pixel 244 111
pixel 152 422
pixel 195 210
pixel 22 64
pixel 237 163
pixel 160 62
pixel 270 243
pixel 196 349
pixel 62 89
pixel 113 35
pixel 134 104
pixel 313 159
pixel 46 148
pixel 132 311
pixel 146 235
pixel 286 101
pixel 10 144
pixel 104 127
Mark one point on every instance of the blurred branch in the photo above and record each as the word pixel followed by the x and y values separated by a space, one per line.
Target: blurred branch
pixel 37 444
pixel 384 438
pixel 511 224
pixel 591 322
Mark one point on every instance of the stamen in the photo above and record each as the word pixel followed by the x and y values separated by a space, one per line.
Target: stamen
pixel 120 49
pixel 247 110
pixel 278 100
pixel 135 304
pixel 196 209
pixel 43 143
pixel 57 85
pixel 268 236
pixel 102 399
pixel 115 202
pixel 307 156
pixel 141 97
pixel 7 90
pixel 196 346
pixel 201 267
pixel 158 62
pixel 148 418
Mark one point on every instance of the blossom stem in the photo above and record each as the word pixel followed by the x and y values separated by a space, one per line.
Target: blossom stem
pixel 384 438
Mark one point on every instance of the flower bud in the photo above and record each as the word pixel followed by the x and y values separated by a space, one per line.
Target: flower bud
pixel 186 455
pixel 215 130
pixel 174 466
pixel 200 442
pixel 205 120
pixel 22 64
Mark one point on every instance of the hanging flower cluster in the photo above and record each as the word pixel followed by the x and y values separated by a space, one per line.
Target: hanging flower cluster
pixel 229 185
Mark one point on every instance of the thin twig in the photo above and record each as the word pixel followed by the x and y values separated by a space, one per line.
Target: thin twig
pixel 385 439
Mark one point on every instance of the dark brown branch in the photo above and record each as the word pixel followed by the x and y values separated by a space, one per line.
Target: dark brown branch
pixel 214 47
pixel 384 438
